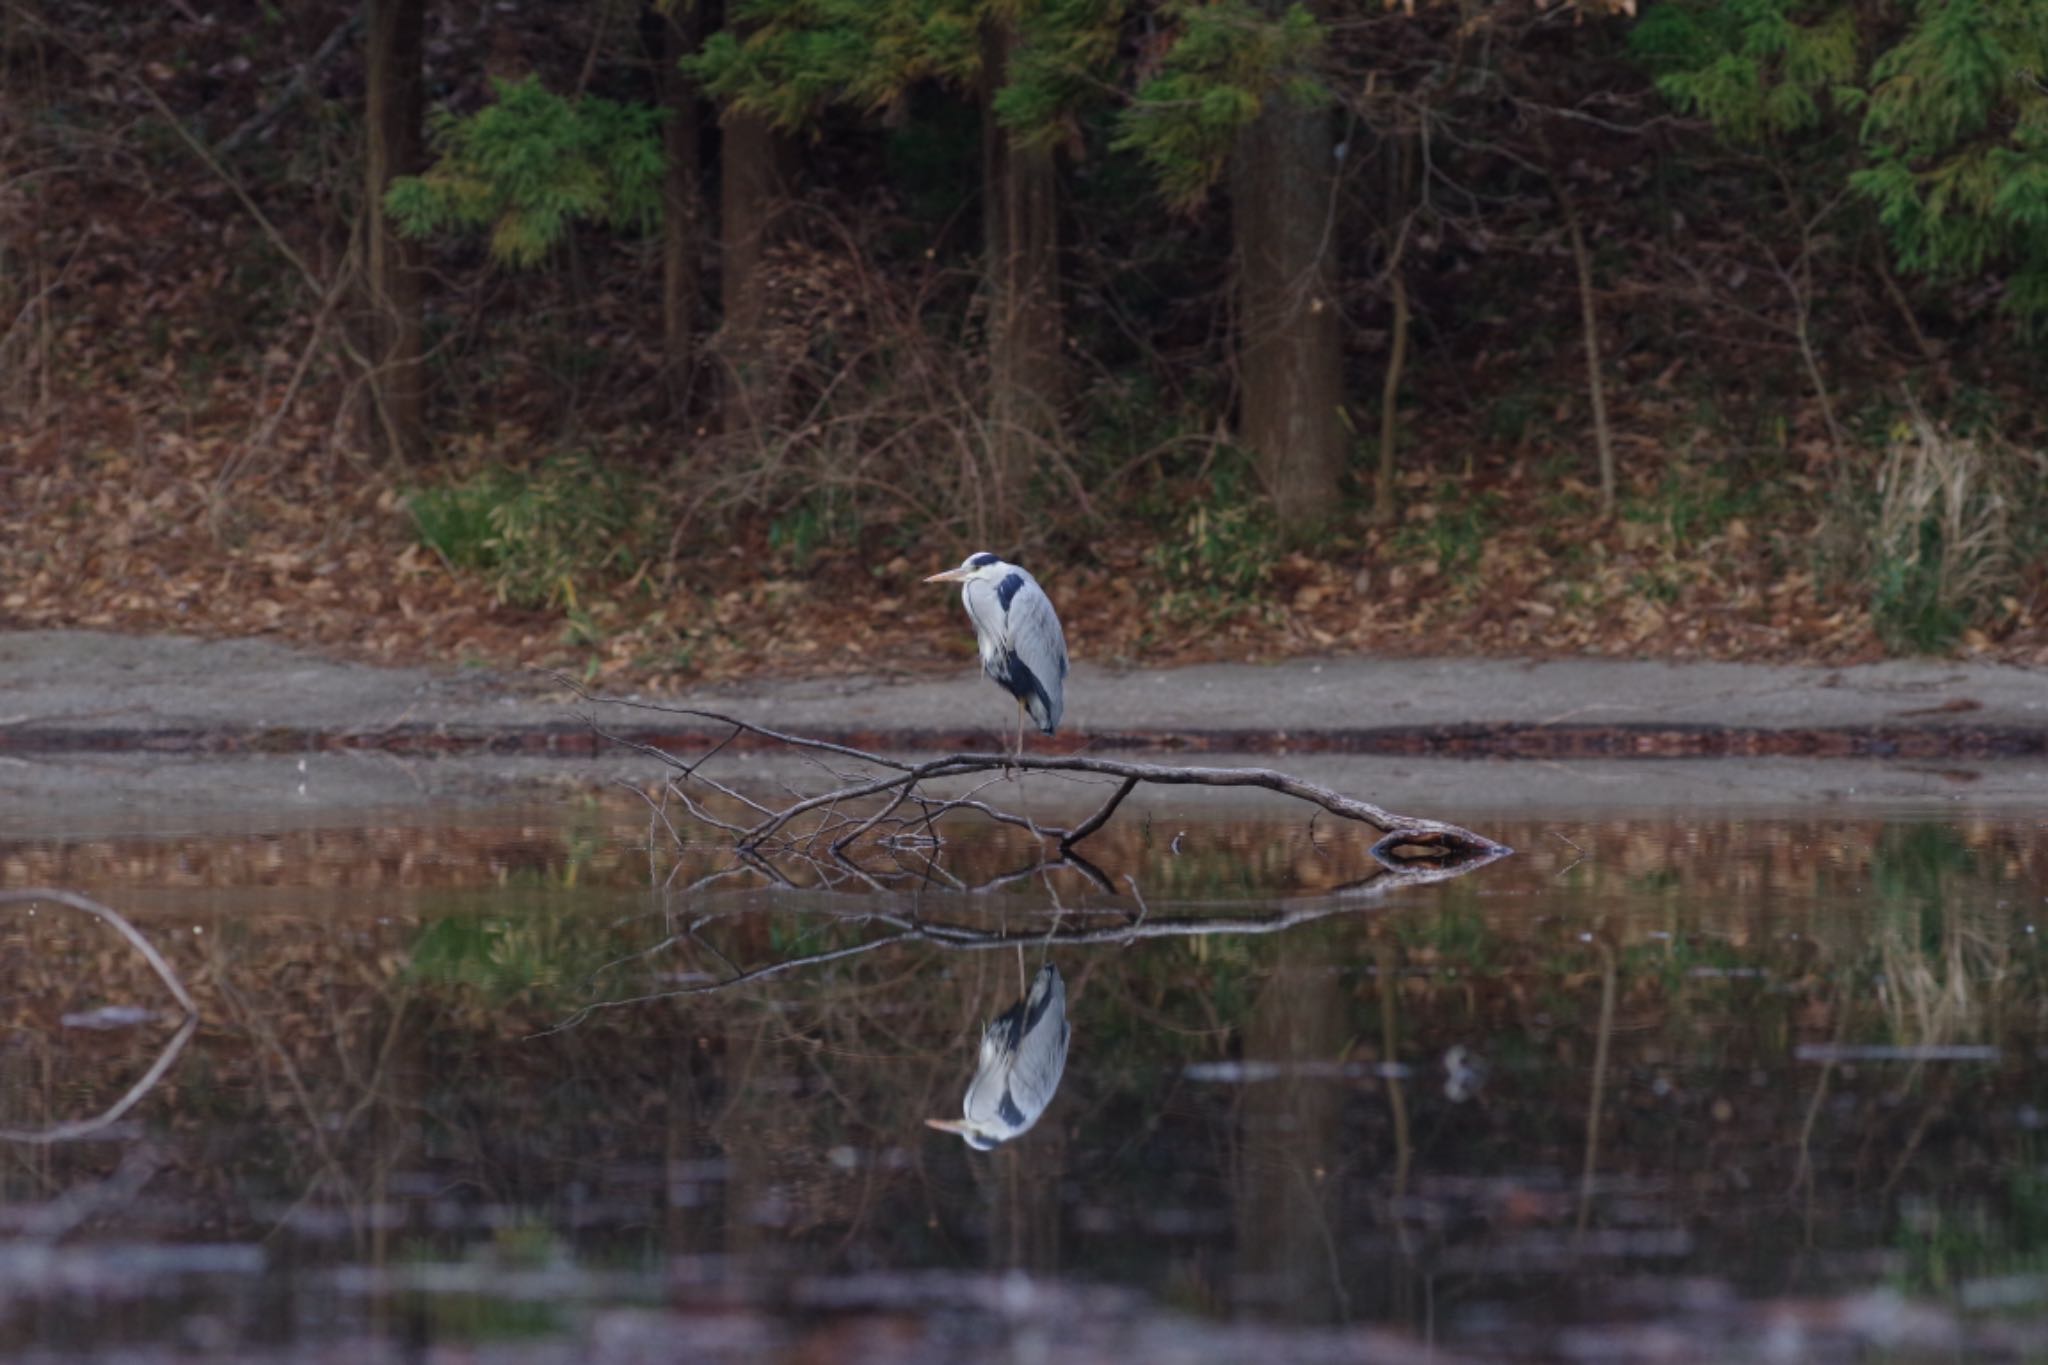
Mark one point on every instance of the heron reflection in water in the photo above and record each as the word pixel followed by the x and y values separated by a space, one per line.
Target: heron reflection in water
pixel 1023 1056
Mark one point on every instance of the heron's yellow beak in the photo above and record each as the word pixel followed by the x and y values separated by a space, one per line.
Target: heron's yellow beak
pixel 949 576
pixel 947 1125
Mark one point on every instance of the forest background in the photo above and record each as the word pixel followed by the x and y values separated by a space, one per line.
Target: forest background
pixel 671 341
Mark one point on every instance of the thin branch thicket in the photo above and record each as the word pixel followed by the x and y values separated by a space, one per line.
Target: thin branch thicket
pixel 874 407
pixel 1589 317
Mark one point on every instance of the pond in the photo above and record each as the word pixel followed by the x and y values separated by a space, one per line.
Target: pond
pixel 1729 1085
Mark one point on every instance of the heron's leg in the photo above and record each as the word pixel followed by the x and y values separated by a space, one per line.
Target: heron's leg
pixel 1015 750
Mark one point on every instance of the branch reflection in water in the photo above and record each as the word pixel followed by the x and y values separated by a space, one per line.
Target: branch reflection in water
pixel 174 1046
pixel 908 924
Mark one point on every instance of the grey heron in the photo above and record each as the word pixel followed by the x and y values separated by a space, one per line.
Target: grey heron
pixel 1023 1056
pixel 1022 646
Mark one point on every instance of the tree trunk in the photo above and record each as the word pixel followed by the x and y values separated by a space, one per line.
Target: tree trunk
pixel 1020 190
pixel 667 37
pixel 1289 365
pixel 392 332
pixel 750 195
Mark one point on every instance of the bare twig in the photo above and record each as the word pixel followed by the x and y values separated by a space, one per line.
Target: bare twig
pixel 1589 317
pixel 293 88
pixel 1101 816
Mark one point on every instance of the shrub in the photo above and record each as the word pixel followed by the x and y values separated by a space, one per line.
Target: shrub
pixel 1219 553
pixel 1942 539
pixel 542 536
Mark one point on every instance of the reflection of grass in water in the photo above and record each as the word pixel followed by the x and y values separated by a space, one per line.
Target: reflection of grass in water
pixel 528 1244
pixel 478 1317
pixel 539 952
pixel 1949 1243
pixel 1701 981
pixel 1942 955
pixel 1918 862
pixel 1458 935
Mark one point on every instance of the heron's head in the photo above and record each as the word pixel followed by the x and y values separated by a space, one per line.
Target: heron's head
pixel 980 1139
pixel 980 564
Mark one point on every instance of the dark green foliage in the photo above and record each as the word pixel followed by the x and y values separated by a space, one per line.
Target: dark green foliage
pixel 825 517
pixel 1948 1241
pixel 933 163
pixel 1958 136
pixel 1455 535
pixel 1230 58
pixel 1907 604
pixel 1218 553
pixel 1696 502
pixel 530 165
pixel 1953 114
pixel 543 536
pixel 788 60
pixel 1064 60
pixel 1756 68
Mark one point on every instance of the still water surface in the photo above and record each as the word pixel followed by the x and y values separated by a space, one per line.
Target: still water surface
pixel 1706 1089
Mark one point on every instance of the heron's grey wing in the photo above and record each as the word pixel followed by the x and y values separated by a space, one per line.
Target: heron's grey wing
pixel 1041 646
pixel 984 1102
pixel 999 1043
pixel 1035 631
pixel 1040 1060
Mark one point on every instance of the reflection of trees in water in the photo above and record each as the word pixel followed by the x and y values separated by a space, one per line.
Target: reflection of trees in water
pixel 368 1086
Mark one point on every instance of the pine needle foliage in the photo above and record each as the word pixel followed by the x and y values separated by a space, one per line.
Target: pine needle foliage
pixel 530 165
pixel 1064 61
pixel 1228 59
pixel 1949 106
pixel 790 60
pixel 1757 69
pixel 1958 136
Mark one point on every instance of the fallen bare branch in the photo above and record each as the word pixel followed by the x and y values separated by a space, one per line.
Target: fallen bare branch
pixel 898 783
